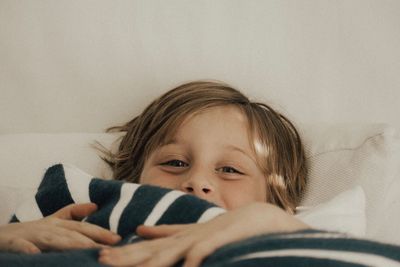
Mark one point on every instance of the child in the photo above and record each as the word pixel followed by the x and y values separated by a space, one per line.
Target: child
pixel 204 138
pixel 273 144
pixel 208 139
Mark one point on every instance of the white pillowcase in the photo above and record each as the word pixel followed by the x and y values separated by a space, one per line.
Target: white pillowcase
pixel 342 156
pixel 25 157
pixel 344 213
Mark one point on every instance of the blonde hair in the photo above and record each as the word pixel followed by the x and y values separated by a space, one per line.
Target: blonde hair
pixel 275 140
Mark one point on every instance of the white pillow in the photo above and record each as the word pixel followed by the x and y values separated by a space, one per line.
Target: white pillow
pixel 344 213
pixel 25 157
pixel 342 156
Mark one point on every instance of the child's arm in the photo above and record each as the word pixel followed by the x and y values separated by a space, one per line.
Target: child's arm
pixel 59 231
pixel 195 242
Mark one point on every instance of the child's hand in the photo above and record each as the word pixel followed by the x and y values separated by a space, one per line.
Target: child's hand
pixel 194 242
pixel 56 232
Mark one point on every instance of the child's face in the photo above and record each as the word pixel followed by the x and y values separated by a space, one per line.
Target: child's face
pixel 211 157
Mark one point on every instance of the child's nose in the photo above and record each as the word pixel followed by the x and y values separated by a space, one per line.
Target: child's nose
pixel 190 189
pixel 200 187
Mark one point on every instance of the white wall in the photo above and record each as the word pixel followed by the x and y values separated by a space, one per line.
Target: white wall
pixel 86 65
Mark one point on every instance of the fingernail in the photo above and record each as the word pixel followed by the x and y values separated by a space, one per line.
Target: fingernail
pixel 33 251
pixel 104 252
pixel 116 238
pixel 104 259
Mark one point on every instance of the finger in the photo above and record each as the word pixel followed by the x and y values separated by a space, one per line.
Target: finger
pixel 128 255
pixel 197 253
pixel 167 256
pixel 22 245
pixel 154 253
pixel 161 230
pixel 63 239
pixel 92 231
pixel 80 211
pixel 75 211
pixel 202 249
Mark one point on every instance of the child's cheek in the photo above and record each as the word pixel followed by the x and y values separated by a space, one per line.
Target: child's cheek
pixel 160 179
pixel 236 195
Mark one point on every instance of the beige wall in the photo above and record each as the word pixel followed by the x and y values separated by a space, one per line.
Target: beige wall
pixel 85 65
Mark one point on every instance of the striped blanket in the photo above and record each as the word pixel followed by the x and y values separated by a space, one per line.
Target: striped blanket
pixel 124 206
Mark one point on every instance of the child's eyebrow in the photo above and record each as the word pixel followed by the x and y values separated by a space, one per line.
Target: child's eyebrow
pixel 240 150
pixel 170 142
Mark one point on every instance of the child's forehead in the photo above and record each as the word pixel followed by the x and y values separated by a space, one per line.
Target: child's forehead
pixel 224 114
pixel 222 111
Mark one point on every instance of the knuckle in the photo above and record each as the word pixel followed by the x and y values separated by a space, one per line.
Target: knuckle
pixel 198 251
pixel 81 225
pixel 12 242
pixel 157 259
pixel 88 244
pixel 80 243
pixel 201 248
pixel 46 238
pixel 52 220
pixel 17 244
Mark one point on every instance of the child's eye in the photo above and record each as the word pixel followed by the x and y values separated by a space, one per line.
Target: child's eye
pixel 227 169
pixel 175 163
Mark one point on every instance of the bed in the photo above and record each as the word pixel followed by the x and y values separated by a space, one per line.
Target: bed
pixel 68 71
